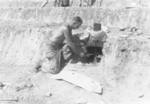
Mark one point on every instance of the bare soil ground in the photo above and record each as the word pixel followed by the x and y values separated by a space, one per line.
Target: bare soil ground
pixel 23 86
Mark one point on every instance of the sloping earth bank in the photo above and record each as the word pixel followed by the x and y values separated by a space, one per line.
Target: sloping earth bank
pixel 123 72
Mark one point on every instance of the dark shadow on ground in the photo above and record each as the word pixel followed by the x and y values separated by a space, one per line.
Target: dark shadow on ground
pixel 94 52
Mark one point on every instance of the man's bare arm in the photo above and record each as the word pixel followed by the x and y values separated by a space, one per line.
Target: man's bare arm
pixel 68 37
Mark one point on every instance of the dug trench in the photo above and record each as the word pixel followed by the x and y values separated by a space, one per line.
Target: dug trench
pixel 95 54
pixel 123 69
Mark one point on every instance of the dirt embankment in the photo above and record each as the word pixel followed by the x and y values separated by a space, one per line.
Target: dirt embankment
pixel 23 30
pixel 126 62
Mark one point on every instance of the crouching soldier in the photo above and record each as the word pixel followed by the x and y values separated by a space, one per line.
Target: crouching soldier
pixel 58 53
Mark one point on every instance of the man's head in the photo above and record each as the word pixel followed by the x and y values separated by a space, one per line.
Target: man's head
pixel 76 22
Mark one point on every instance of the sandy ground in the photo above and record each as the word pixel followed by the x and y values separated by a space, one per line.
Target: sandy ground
pixel 23 86
pixel 27 87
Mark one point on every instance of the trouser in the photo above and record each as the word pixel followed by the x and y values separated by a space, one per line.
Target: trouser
pixel 55 58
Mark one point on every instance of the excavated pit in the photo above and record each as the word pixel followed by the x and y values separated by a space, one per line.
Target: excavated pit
pixel 124 65
pixel 95 52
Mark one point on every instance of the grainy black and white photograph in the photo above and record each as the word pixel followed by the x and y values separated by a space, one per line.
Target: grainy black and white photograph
pixel 74 51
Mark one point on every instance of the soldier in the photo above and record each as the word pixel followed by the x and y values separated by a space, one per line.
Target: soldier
pixel 59 54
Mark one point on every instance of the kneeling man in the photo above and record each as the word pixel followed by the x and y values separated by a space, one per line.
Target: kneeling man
pixel 58 53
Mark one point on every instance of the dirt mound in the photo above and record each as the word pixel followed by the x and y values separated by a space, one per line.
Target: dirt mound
pixel 126 62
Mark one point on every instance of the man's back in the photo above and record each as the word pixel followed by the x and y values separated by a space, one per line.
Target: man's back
pixel 58 36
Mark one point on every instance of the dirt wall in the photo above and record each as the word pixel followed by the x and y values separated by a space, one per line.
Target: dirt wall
pixel 22 30
pixel 110 17
pixel 126 63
